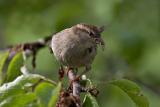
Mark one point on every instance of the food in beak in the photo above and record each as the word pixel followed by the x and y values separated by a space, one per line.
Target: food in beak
pixel 100 42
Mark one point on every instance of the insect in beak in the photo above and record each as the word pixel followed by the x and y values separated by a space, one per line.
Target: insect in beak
pixel 100 42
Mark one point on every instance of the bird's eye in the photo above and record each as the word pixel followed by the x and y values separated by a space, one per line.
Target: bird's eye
pixel 90 50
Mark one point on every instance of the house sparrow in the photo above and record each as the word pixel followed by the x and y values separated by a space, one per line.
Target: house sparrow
pixel 77 46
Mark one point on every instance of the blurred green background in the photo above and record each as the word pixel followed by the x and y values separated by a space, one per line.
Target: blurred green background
pixel 132 37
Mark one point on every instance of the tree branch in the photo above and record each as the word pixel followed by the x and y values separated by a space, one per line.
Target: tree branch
pixel 76 87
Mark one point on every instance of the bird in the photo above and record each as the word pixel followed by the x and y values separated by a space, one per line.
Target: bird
pixel 76 46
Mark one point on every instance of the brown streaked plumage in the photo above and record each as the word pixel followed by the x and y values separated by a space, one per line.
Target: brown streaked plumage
pixel 77 46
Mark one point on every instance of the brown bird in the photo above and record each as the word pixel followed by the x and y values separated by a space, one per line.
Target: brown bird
pixel 77 46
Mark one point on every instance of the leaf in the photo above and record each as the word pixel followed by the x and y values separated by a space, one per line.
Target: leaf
pixel 44 93
pixel 55 96
pixel 33 104
pixel 18 100
pixel 90 101
pixel 3 58
pixel 14 67
pixel 133 91
pixel 19 86
pixel 139 99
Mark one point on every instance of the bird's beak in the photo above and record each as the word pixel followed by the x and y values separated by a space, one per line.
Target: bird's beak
pixel 101 29
pixel 101 42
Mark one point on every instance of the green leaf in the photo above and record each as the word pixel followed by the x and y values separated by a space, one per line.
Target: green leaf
pixel 133 91
pixel 3 58
pixel 55 96
pixel 18 100
pixel 19 86
pixel 139 99
pixel 90 101
pixel 44 93
pixel 33 104
pixel 14 67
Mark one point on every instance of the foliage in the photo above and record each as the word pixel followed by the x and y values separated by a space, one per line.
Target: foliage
pixel 33 89
pixel 133 91
pixel 90 101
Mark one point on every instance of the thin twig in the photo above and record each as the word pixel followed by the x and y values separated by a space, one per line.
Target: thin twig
pixel 76 87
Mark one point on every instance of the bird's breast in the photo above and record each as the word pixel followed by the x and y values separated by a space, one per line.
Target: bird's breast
pixel 72 50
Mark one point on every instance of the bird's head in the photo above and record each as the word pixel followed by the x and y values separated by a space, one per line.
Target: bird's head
pixel 93 31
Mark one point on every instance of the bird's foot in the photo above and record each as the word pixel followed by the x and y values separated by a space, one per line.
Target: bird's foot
pixel 78 77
